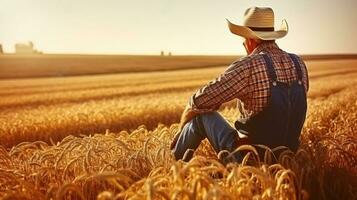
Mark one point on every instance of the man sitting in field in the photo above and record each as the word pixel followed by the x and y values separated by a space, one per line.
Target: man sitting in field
pixel 271 83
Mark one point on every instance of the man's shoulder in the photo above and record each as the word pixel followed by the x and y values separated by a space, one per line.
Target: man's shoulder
pixel 291 54
pixel 246 60
pixel 298 57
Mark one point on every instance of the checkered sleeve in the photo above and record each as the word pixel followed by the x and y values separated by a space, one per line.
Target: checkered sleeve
pixel 231 84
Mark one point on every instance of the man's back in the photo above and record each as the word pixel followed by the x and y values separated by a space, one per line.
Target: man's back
pixel 257 92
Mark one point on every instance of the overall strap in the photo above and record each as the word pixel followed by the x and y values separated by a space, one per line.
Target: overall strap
pixel 297 67
pixel 270 68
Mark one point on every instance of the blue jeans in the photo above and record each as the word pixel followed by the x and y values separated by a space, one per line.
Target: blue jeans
pixel 212 126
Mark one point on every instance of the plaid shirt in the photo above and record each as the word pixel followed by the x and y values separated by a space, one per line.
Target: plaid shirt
pixel 247 80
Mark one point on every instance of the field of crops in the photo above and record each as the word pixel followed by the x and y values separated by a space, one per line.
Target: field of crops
pixel 107 137
pixel 46 65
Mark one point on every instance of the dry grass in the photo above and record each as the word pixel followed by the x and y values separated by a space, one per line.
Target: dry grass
pixel 137 164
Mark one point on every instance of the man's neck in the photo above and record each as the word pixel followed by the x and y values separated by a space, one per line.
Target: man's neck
pixel 263 46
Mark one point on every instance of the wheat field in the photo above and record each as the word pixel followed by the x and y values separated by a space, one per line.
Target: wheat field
pixel 108 136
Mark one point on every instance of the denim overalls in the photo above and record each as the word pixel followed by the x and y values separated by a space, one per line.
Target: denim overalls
pixel 280 123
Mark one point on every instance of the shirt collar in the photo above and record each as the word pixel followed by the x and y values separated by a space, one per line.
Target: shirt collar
pixel 265 46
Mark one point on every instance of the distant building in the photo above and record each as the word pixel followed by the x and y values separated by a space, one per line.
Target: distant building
pixel 1 51
pixel 25 48
pixel 162 53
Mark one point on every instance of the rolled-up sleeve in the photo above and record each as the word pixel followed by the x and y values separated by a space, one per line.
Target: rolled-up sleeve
pixel 232 83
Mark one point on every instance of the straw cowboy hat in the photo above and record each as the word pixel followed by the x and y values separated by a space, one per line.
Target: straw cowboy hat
pixel 258 23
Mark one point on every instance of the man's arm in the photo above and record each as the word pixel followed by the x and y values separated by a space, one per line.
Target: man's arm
pixel 232 83
pixel 225 87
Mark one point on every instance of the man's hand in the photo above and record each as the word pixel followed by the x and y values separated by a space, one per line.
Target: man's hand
pixel 187 115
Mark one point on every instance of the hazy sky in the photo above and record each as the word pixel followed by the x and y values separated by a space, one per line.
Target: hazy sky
pixel 180 26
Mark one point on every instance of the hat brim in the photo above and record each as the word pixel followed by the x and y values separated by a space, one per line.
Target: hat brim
pixel 246 32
